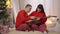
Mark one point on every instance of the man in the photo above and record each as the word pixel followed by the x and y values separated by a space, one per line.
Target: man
pixel 22 17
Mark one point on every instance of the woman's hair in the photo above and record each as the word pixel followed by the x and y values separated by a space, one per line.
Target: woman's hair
pixel 40 6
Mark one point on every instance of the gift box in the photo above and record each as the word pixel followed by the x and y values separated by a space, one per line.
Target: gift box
pixel 4 29
pixel 33 21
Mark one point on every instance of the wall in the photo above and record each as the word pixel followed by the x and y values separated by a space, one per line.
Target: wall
pixel 15 7
pixel 51 6
pixel 34 3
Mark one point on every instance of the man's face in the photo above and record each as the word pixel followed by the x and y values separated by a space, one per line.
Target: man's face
pixel 28 8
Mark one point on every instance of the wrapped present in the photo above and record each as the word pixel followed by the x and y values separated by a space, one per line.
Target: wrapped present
pixel 33 21
pixel 4 29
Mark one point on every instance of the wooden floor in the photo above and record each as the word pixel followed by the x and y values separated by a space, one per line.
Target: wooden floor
pixel 13 31
pixel 35 32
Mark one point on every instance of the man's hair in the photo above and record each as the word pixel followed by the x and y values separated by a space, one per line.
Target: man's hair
pixel 28 5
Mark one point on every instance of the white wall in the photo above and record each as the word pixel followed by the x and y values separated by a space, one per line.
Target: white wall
pixel 52 7
pixel 15 7
pixel 34 3
pixel 57 7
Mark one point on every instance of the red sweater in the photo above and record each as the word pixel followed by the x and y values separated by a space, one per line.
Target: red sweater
pixel 21 18
pixel 39 14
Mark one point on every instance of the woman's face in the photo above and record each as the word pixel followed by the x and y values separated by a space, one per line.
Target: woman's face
pixel 38 9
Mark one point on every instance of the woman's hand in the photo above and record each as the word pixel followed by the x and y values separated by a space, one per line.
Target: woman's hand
pixel 32 17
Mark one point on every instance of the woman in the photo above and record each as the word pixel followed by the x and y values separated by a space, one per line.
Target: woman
pixel 39 14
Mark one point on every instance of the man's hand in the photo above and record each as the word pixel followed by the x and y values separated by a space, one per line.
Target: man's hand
pixel 29 21
pixel 32 17
pixel 38 18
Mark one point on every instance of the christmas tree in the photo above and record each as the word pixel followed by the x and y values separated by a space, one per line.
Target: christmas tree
pixel 3 12
pixel 3 9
